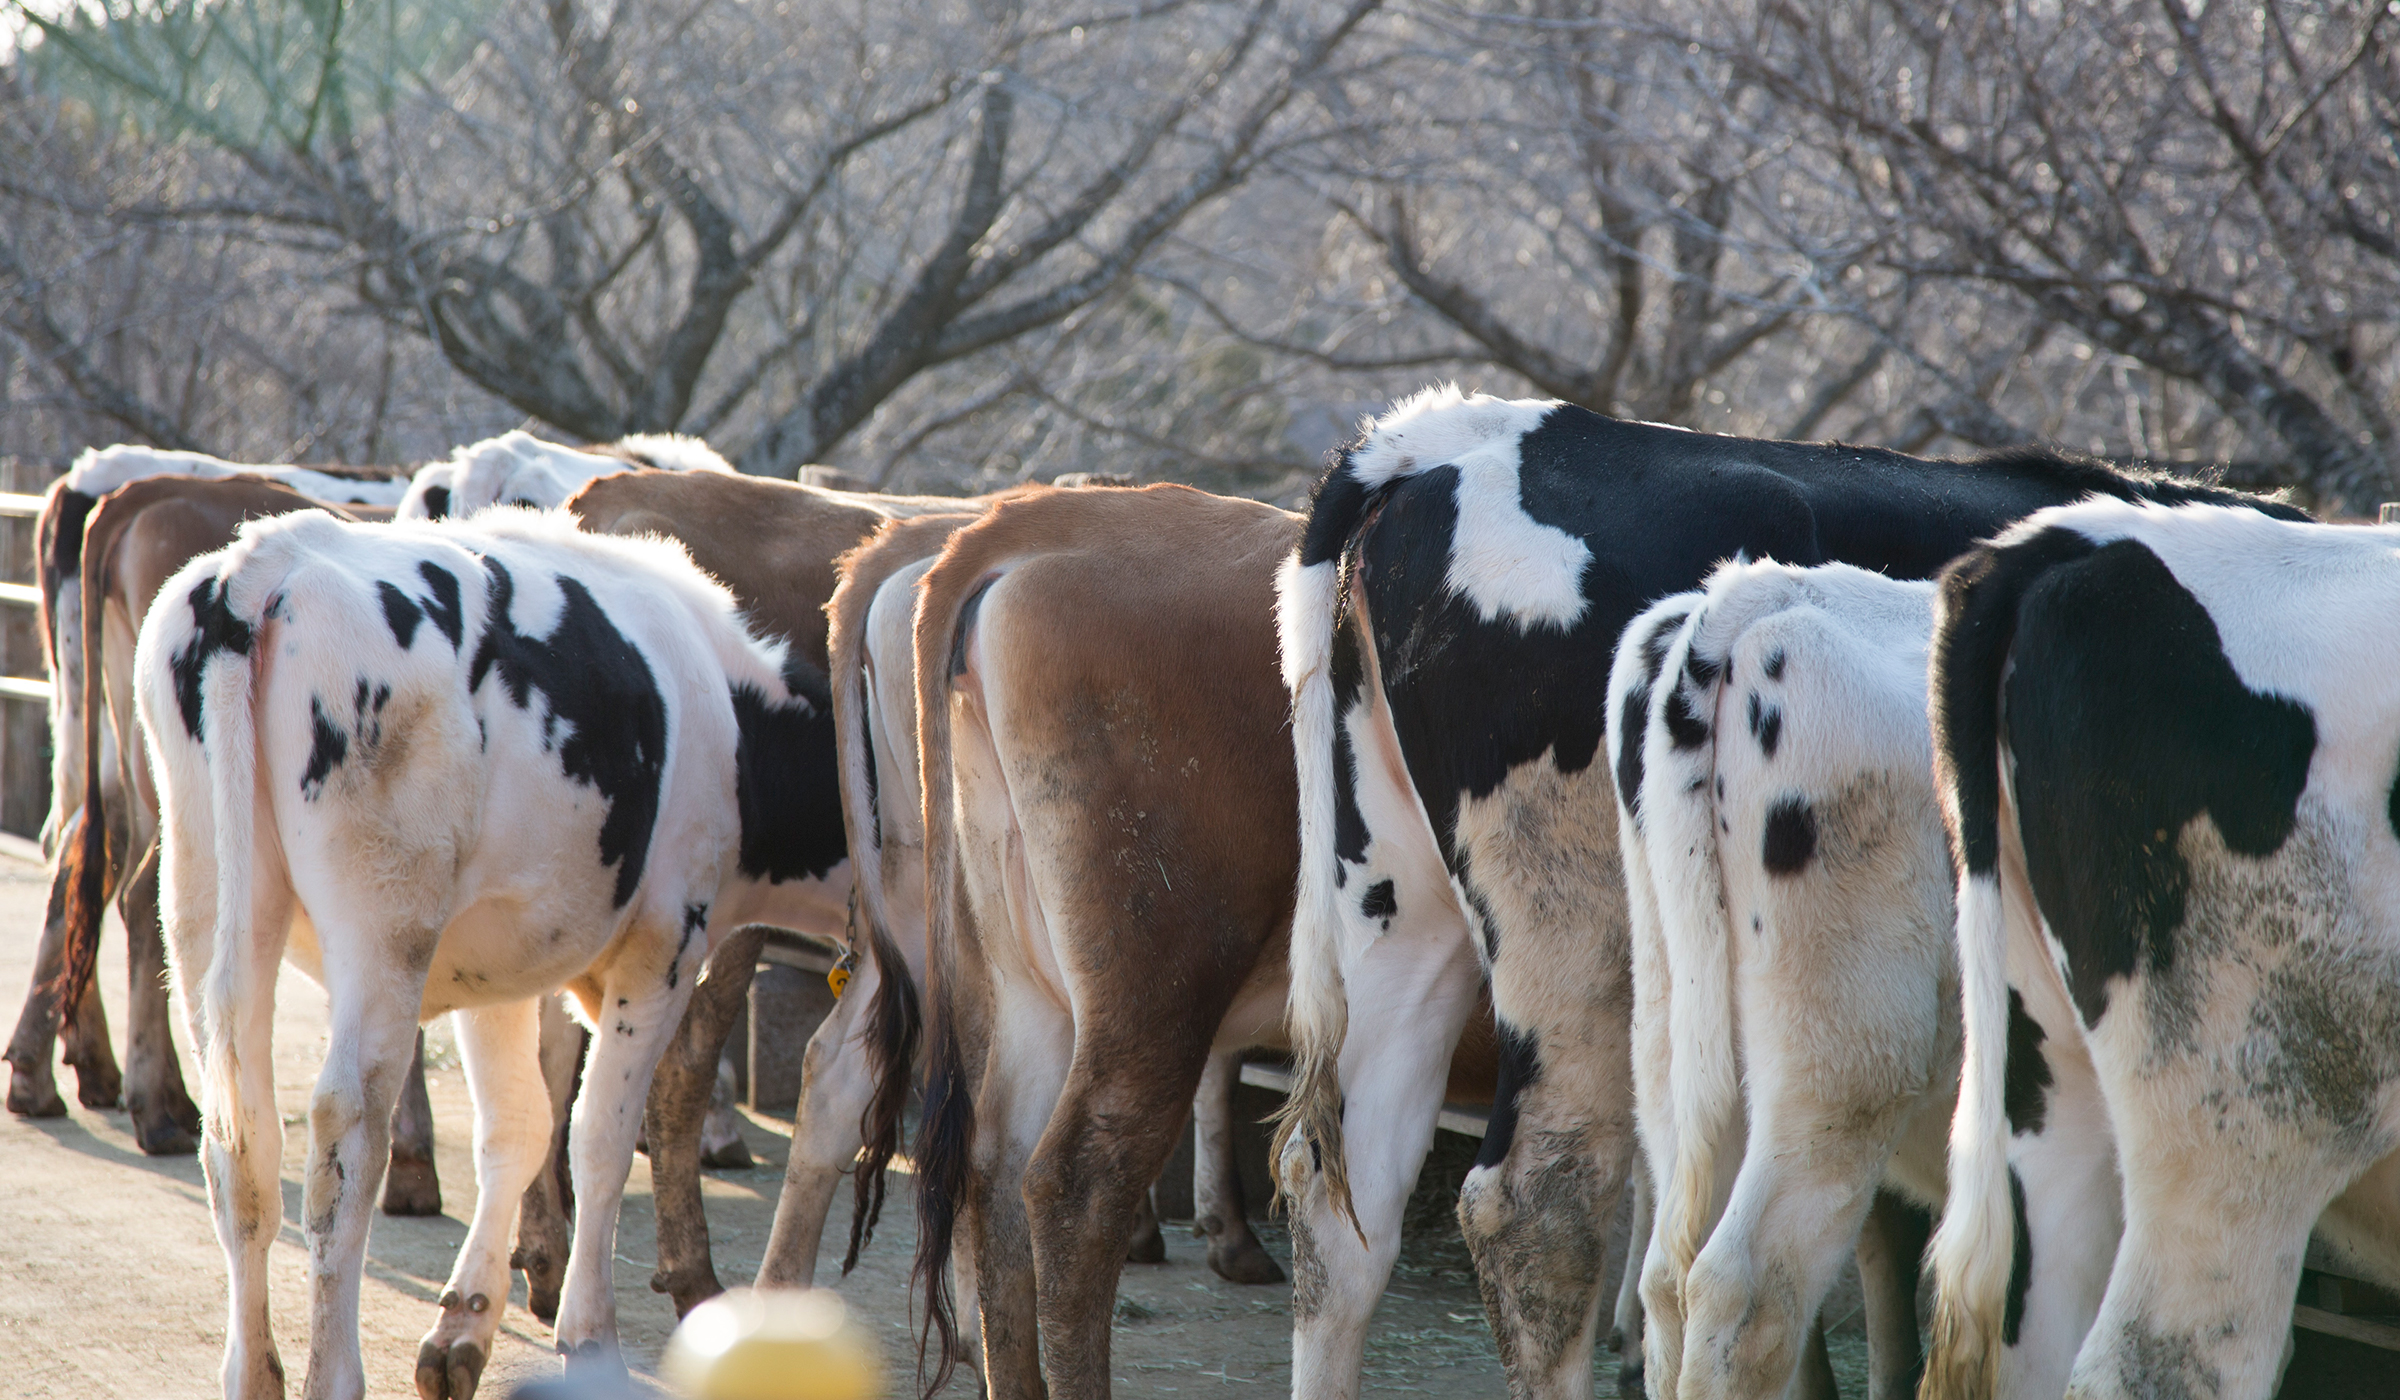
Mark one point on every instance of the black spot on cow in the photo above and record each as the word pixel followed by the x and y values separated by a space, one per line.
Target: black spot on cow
pixel 437 502
pixel 597 686
pixel 443 606
pixel 2020 1262
pixel 1382 902
pixel 2025 1090
pixel 1634 715
pixel 327 748
pixel 1791 838
pixel 1684 725
pixel 400 613
pixel 1774 664
pixel 695 919
pixel 2126 721
pixel 785 777
pixel 1520 1070
pixel 1701 669
pixel 215 631
pixel 1770 732
pixel 2392 805
pixel 1349 822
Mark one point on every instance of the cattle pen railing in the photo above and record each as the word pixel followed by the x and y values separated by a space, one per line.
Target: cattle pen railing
pixel 25 723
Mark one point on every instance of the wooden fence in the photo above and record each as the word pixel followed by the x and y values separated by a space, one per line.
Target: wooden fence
pixel 24 686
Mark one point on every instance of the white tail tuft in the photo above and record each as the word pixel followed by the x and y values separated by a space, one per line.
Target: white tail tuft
pixel 1975 1245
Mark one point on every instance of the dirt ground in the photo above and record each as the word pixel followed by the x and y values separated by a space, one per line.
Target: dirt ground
pixel 111 1282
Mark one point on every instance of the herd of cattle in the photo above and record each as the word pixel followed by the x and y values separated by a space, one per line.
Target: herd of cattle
pixel 1784 834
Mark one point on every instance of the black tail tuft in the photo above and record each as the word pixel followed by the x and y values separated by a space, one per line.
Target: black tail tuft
pixel 892 1036
pixel 945 1149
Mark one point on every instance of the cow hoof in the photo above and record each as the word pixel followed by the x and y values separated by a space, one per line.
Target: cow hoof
pixel 411 1188
pixel 688 1288
pixel 1629 1379
pixel 594 1357
pixel 99 1085
pixel 33 1094
pixel 449 1373
pixel 1147 1247
pixel 160 1134
pixel 1243 1262
pixel 544 1278
pixel 732 1156
pixel 1616 1339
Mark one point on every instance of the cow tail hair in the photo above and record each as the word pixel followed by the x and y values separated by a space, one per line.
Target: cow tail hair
pixel 1307 604
pixel 892 1028
pixel 1973 1248
pixel 59 542
pixel 1678 805
pixel 946 1134
pixel 230 991
pixel 86 865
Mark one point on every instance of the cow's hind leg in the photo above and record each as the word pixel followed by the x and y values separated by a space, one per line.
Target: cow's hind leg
pixel 374 1027
pixel 679 1099
pixel 1025 1064
pixel 1535 860
pixel 32 1085
pixel 1889 1250
pixel 166 1123
pixel 1409 998
pixel 1114 1126
pixel 410 1186
pixel 836 1084
pixel 500 1047
pixel 545 1228
pixel 1804 1188
pixel 1224 1219
pixel 1625 1333
pixel 639 1008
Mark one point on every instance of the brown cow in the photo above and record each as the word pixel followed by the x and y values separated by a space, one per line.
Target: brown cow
pixel 874 703
pixel 1111 842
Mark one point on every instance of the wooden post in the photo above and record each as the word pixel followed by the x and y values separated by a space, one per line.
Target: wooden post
pixel 2388 513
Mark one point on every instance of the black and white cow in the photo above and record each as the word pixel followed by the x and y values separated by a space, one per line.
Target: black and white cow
pixel 519 469
pixel 1789 886
pixel 1448 625
pixel 2165 742
pixel 446 767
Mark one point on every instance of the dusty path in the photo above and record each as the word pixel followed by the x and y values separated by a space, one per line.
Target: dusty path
pixel 111 1282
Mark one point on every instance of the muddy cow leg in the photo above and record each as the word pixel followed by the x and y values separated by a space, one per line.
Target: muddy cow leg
pixel 166 1123
pixel 679 1091
pixel 1112 1130
pixel 32 1088
pixel 1224 1219
pixel 410 1186
pixel 546 1214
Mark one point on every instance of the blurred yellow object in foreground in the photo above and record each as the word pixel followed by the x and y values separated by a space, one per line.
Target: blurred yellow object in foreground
pixel 773 1345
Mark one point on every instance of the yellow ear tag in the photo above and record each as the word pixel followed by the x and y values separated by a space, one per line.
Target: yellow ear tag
pixel 838 979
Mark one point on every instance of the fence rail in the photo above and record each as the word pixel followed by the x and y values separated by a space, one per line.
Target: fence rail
pixel 24 595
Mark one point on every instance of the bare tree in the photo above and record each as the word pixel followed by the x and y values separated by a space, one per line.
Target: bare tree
pixel 2210 194
pixel 753 221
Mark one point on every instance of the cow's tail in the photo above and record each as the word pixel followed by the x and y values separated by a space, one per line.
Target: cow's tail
pixel 1308 595
pixel 59 539
pixel 86 873
pixel 1679 813
pixel 1973 1250
pixel 946 600
pixel 892 1027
